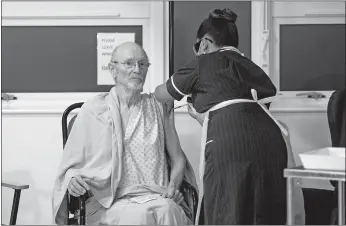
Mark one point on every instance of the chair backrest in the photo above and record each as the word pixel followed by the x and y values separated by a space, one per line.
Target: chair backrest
pixel 73 203
pixel 66 126
pixel 336 111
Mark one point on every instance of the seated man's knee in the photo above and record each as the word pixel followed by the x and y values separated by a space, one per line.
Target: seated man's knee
pixel 170 207
pixel 170 213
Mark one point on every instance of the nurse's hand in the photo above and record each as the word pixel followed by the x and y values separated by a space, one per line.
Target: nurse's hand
pixel 194 114
pixel 192 111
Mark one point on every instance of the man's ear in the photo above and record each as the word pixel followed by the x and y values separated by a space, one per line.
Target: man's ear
pixel 112 69
pixel 110 66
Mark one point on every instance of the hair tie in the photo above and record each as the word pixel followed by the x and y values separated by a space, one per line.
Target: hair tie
pixel 225 14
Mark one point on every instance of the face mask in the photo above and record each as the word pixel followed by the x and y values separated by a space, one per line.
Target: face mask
pixel 197 45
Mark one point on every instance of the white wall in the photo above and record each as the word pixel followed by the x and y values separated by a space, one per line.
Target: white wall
pixel 31 149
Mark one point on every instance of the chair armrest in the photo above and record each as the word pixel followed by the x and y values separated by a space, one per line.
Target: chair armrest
pixel 18 187
pixel 190 196
pixel 77 203
pixel 14 185
pixel 74 202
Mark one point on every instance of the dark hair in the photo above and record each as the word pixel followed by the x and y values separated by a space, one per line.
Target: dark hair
pixel 221 26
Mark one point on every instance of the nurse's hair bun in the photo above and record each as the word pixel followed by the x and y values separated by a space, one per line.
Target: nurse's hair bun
pixel 225 14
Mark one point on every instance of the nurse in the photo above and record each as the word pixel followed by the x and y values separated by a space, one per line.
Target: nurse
pixel 243 149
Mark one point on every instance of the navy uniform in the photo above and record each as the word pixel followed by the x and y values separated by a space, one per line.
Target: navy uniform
pixel 245 152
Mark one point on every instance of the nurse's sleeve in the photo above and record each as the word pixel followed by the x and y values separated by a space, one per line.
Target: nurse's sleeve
pixel 182 82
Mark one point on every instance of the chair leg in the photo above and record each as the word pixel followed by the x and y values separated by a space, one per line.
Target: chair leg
pixel 15 206
pixel 67 209
pixel 82 210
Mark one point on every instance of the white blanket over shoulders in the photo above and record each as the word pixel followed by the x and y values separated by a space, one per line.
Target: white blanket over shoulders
pixel 94 151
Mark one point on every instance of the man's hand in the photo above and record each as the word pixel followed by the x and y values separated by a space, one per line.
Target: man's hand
pixel 173 193
pixel 77 186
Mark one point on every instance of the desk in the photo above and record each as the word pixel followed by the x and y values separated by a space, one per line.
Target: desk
pixel 301 172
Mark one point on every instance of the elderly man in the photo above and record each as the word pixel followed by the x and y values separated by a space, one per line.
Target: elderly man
pixel 116 153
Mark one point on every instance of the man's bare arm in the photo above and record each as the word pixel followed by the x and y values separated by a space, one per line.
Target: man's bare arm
pixel 176 155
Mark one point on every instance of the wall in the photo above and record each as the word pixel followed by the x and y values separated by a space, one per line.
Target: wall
pixel 183 21
pixel 31 149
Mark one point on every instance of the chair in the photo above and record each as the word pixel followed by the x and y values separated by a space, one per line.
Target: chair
pixel 336 112
pixel 321 205
pixel 15 205
pixel 74 204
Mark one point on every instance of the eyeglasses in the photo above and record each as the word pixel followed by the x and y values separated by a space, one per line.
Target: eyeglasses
pixel 132 64
pixel 197 45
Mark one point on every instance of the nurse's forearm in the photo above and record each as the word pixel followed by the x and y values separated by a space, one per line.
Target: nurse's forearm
pixel 200 118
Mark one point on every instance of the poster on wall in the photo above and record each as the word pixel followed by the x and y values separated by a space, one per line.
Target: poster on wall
pixel 106 42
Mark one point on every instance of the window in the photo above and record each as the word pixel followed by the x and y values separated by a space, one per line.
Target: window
pixel 145 19
pixel 312 57
pixel 307 47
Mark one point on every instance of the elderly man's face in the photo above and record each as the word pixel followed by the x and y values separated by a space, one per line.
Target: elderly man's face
pixel 130 67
